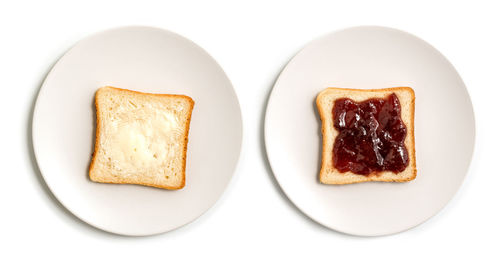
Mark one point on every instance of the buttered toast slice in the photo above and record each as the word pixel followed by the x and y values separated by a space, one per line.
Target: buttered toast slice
pixel 141 138
pixel 358 145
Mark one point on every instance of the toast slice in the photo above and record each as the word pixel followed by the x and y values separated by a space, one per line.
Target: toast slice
pixel 141 138
pixel 325 104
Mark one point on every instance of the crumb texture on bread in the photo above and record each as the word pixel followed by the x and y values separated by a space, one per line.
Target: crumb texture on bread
pixel 141 138
pixel 325 102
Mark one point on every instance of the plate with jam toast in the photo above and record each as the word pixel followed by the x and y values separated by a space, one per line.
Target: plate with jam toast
pixel 369 131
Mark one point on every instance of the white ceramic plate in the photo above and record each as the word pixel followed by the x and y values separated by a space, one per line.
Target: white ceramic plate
pixel 370 57
pixel 151 60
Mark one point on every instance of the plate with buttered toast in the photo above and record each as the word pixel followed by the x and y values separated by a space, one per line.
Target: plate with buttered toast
pixel 137 130
pixel 369 131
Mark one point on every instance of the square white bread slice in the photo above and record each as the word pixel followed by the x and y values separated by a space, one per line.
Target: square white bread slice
pixel 325 102
pixel 141 138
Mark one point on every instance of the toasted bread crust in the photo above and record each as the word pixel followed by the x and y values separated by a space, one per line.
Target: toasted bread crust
pixel 326 162
pixel 97 135
pixel 186 134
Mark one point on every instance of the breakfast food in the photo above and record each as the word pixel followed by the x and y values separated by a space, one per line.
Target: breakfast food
pixel 368 135
pixel 141 138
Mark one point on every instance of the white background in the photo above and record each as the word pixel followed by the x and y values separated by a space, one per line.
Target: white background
pixel 253 224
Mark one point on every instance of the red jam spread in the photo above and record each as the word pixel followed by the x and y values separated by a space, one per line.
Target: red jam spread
pixel 371 136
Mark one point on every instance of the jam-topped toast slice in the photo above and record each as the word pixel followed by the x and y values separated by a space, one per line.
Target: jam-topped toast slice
pixel 368 135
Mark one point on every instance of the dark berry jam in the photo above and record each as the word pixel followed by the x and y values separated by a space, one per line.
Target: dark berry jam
pixel 371 136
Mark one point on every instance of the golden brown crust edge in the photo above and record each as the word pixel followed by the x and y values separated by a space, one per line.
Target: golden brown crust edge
pixel 149 94
pixel 186 134
pixel 97 134
pixel 186 138
pixel 323 134
pixel 371 177
pixel 414 156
